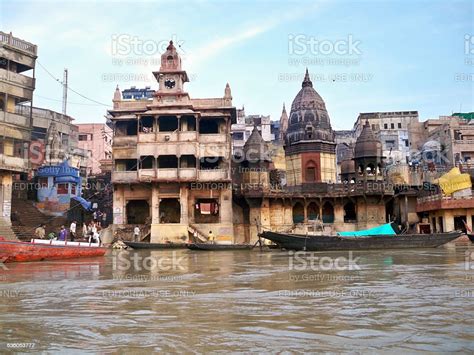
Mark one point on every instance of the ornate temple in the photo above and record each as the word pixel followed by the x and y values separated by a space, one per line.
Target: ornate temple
pixel 311 201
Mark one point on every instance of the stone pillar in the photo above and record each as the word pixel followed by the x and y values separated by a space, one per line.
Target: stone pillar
pixel 119 215
pixel 155 204
pixel 338 213
pixel 183 200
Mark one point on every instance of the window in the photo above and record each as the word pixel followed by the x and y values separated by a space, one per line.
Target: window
pixel 63 189
pixel 43 182
pixel 73 189
pixel 82 137
pixel 385 126
pixel 399 125
pixel 8 147
pixel 390 144
pixel 406 143
pixel 392 125
pixel 238 136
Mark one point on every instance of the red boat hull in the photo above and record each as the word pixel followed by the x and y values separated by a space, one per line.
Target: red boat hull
pixel 11 251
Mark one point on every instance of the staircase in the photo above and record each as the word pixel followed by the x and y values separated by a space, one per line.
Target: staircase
pixel 26 217
pixel 200 236
pixel 6 231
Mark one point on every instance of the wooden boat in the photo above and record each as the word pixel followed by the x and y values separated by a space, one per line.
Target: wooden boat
pixel 146 245
pixel 326 242
pixel 208 246
pixel 39 250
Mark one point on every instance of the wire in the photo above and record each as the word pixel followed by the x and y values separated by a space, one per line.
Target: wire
pixel 69 102
pixel 69 88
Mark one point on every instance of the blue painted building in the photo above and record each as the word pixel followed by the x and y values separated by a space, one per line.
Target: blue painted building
pixel 57 185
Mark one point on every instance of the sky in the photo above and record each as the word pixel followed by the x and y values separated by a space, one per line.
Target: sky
pixel 363 56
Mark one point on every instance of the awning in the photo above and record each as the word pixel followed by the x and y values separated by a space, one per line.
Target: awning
pixel 384 229
pixel 84 203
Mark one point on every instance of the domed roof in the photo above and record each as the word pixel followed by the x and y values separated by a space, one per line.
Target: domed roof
pixel 347 167
pixel 367 145
pixel 309 119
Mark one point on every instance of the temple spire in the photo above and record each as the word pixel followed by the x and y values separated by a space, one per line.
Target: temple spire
pixel 307 80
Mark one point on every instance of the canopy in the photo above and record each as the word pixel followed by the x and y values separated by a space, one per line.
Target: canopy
pixel 454 181
pixel 384 229
pixel 84 203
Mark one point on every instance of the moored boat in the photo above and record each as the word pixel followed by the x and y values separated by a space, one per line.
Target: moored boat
pixel 328 242
pixel 39 250
pixel 209 246
pixel 146 245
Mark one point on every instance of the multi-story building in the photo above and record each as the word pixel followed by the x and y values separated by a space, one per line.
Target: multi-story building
pixel 393 129
pixel 243 128
pixel 54 138
pixel 172 158
pixel 17 83
pixel 96 140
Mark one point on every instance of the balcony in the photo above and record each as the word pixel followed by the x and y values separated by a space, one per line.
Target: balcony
pixel 146 174
pixel 124 176
pixel 439 202
pixel 17 79
pixel 212 175
pixel 13 163
pixel 14 119
pixel 187 173
pixel 213 138
pixel 188 136
pixel 7 38
pixel 167 174
pixel 125 141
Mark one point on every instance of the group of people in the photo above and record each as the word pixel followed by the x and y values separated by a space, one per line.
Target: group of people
pixel 90 232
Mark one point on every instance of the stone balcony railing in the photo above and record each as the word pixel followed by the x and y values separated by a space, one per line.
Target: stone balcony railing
pixel 17 79
pixel 8 38
pixel 439 201
pixel 163 174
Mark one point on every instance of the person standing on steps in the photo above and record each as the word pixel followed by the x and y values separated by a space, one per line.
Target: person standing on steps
pixel 40 232
pixel 72 230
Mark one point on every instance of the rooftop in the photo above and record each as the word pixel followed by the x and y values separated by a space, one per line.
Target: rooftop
pixel 7 38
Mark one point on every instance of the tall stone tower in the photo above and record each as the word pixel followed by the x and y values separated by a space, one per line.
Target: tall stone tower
pixel 283 124
pixel 310 149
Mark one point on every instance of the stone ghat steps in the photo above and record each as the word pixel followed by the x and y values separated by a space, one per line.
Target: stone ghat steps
pixel 7 232
pixel 28 217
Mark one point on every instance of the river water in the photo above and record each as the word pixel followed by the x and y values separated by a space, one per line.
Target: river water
pixel 241 301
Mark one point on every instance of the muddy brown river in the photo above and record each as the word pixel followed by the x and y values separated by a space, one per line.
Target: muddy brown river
pixel 241 301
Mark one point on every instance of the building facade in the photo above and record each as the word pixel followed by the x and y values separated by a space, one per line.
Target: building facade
pixel 172 159
pixel 96 140
pixel 17 83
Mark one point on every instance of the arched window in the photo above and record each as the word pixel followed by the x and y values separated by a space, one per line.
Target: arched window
pixel 298 213
pixel 310 171
pixel 360 169
pixel 328 213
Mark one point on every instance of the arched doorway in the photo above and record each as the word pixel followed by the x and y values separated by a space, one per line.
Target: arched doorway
pixel 350 215
pixel 298 213
pixel 312 211
pixel 328 213
pixel 138 212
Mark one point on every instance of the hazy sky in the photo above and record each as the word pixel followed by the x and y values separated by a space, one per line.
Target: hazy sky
pixel 363 56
